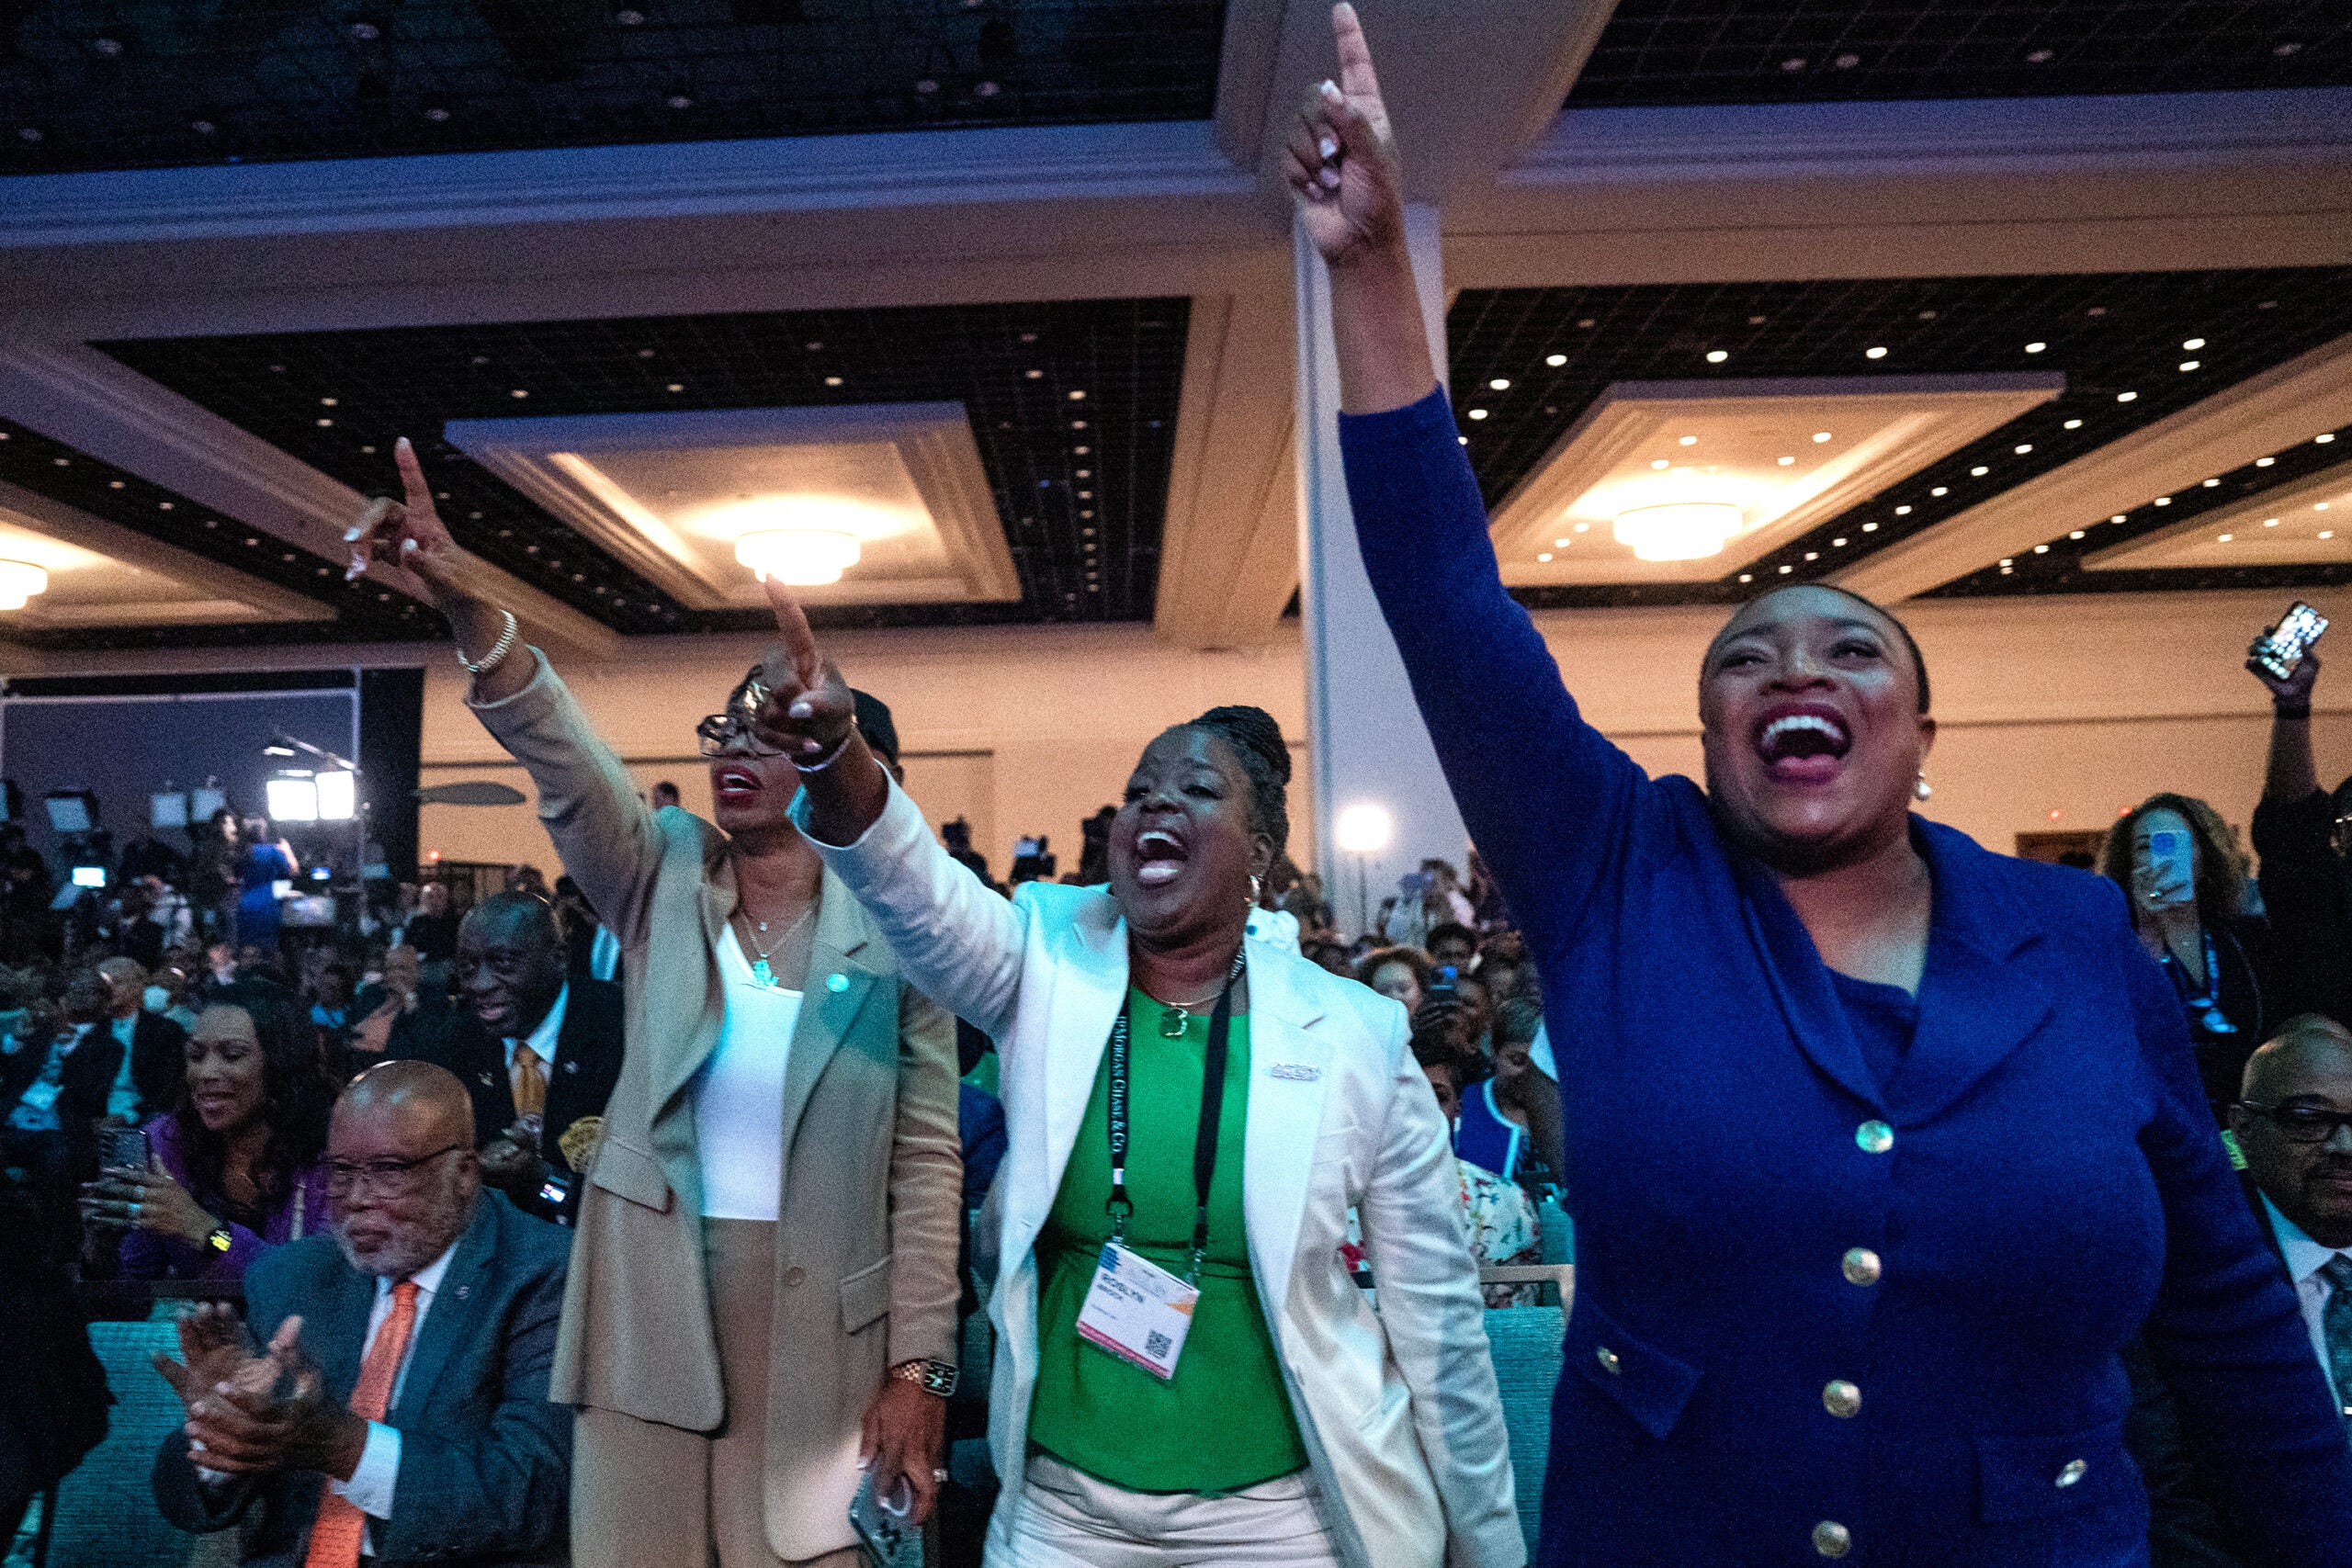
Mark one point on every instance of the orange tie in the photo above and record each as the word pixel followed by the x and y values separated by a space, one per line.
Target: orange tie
pixel 530 1082
pixel 335 1538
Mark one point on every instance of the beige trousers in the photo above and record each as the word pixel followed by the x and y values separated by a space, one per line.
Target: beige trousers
pixel 646 1496
pixel 1067 1519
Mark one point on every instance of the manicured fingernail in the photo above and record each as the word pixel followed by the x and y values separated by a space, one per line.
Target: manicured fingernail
pixel 403 440
pixel 349 535
pixel 1329 148
pixel 800 710
pixel 1330 178
pixel 407 544
pixel 1330 91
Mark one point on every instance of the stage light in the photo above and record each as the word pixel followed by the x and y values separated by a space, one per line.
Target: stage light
pixel 338 795
pixel 293 799
pixel 1364 829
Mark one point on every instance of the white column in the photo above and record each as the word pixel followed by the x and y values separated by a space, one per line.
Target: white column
pixel 1365 736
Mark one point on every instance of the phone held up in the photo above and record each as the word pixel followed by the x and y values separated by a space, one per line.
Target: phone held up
pixel 122 1148
pixel 2281 650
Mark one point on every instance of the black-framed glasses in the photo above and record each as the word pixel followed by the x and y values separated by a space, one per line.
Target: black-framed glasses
pixel 2300 1124
pixel 389 1178
pixel 720 732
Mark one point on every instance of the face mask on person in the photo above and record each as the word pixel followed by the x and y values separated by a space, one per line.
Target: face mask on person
pixel 155 999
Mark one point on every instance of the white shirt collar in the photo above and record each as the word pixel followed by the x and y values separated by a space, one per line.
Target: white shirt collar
pixel 542 1040
pixel 427 1280
pixel 2305 1256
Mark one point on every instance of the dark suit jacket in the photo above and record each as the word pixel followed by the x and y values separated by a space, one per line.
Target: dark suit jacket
pixel 158 1070
pixel 485 1460
pixel 580 1079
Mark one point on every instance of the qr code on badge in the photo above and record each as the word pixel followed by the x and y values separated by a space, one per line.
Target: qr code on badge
pixel 1155 1345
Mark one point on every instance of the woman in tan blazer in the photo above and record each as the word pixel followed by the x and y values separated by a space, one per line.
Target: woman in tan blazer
pixel 763 1290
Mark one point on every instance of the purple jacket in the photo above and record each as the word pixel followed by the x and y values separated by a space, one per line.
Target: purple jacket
pixel 148 1255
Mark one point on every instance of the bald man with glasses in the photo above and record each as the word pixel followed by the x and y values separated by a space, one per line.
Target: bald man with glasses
pixel 390 1402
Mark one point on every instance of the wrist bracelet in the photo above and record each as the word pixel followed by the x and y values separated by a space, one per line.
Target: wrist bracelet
pixel 2291 710
pixel 498 651
pixel 831 757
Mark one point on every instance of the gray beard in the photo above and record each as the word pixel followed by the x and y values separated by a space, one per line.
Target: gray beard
pixel 412 1250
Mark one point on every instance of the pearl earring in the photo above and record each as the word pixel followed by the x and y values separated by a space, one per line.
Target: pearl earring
pixel 1923 789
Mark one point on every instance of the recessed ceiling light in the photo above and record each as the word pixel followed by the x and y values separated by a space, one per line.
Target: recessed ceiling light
pixel 1034 374
pixel 2164 501
pixel 162 506
pixel 2042 57
pixel 1714 355
pixel 2127 397
pixel 1847 62
pixel 1083 451
pixel 1926 315
pixel 1583 527
pixel 832 381
pixel 1688 441
pixel 1586 322
pixel 1941 489
pixel 2041 549
pixel 1747 576
pixel 927 85
pixel 1786 570
pixel 677 387
pixel 1872 527
pixel 2327 533
pixel 2193 344
pixel 1559 543
pixel 1838 544
pixel 518 393
pixel 1555 360
pixel 2096 311
pixel 1077 396
pixel 365 31
pixel 678 101
pixel 1658 463
pixel 1757 320
pixel 2008 560
pixel 1813 555
pixel 28 134
pixel 1461 440
pixel 437 113
pixel 326 422
pixel 2271 522
pixel 2227 537
pixel 986 89
pixel 1544 555
pixel 2076 535
pixel 2324 440
pixel 1821 435
pixel 2264 462
pixel 2284 49
pixel 1499 384
pixel 1874 353
pixel 2213 484
pixel 202 127
pixel 1477 413
pixel 326 402
pixel 2074 424
pixel 1788 462
pixel 2117 518
pixel 1979 471
pixel 114 484
pixel 2188 364
pixel 1793 63
pixel 1904 511
pixel 2022 451
pixel 2035 347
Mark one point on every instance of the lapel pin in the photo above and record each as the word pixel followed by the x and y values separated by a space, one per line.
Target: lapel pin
pixel 1294 1072
pixel 572 1066
pixel 486 1082
pixel 837 982
pixel 462 1290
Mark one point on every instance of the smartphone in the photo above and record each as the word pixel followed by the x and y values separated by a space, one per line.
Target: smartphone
pixel 885 1525
pixel 2172 858
pixel 2281 649
pixel 122 1148
pixel 1442 983
pixel 1028 849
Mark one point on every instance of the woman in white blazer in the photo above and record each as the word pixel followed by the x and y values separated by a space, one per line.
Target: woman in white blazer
pixel 1299 1425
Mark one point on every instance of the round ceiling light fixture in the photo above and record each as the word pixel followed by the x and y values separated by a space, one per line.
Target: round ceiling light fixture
pixel 19 580
pixel 1681 530
pixel 805 558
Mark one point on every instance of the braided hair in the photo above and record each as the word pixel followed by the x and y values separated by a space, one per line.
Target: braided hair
pixel 1256 741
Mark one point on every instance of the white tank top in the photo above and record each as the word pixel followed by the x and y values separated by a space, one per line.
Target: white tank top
pixel 739 1094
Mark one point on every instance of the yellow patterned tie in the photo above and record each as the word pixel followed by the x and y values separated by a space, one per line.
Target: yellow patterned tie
pixel 341 1527
pixel 530 1082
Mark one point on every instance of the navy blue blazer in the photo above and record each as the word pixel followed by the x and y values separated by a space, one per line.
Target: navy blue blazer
pixel 1757 1218
pixel 485 1460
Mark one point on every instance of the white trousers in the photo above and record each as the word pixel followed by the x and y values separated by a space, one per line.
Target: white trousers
pixel 1067 1519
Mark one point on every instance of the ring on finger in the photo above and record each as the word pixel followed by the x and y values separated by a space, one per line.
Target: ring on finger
pixel 938 1477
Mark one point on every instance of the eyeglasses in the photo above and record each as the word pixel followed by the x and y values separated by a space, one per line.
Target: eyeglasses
pixel 2300 1124
pixel 387 1177
pixel 718 732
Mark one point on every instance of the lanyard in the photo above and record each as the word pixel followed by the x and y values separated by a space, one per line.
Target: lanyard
pixel 2204 1002
pixel 1119 1205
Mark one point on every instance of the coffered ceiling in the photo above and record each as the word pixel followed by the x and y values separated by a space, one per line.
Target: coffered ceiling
pixel 1014 277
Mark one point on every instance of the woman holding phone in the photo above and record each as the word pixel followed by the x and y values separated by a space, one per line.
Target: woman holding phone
pixel 1881 1147
pixel 2172 853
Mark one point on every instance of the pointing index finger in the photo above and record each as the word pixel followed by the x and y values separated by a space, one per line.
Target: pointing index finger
pixel 1356 77
pixel 793 631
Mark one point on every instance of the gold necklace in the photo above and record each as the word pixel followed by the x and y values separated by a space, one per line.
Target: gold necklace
pixel 761 969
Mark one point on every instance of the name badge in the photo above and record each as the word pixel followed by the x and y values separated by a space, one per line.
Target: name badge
pixel 1138 1311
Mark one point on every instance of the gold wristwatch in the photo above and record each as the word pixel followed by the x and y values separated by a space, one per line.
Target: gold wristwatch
pixel 932 1377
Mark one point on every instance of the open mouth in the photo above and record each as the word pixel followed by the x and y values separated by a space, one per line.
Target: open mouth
pixel 735 784
pixel 1161 857
pixel 1802 744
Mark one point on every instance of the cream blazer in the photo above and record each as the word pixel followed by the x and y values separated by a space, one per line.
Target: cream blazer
pixel 871 1207
pixel 1403 1425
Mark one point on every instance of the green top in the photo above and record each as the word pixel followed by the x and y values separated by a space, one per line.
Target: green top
pixel 1224 1421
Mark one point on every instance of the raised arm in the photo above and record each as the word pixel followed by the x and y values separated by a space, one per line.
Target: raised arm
pixel 1546 797
pixel 2292 775
pixel 957 941
pixel 601 829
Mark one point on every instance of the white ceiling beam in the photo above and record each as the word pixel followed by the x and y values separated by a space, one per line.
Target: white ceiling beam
pixel 2284 405
pixel 1228 559
pixel 2169 181
pixel 130 547
pixel 74 394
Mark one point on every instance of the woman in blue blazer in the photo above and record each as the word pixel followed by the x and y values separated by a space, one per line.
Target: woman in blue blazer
pixel 1882 1146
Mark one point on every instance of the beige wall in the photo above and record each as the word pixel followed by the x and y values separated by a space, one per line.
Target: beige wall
pixel 2077 705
